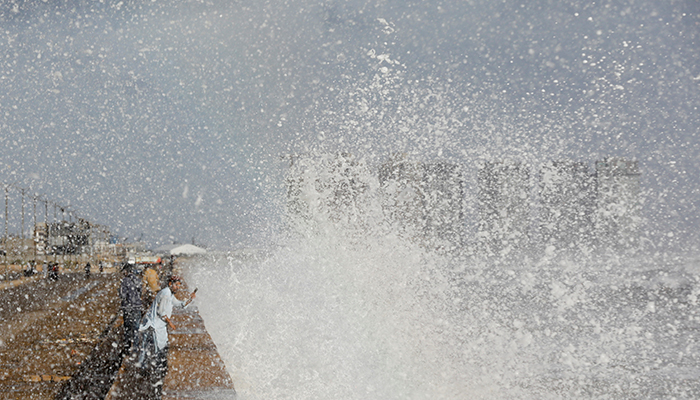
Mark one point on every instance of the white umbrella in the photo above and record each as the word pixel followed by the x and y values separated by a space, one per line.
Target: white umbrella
pixel 187 250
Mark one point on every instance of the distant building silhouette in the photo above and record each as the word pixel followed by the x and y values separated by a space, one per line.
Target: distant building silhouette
pixel 567 191
pixel 443 201
pixel 326 186
pixel 41 234
pixel 67 237
pixel 424 199
pixel 578 210
pixel 618 207
pixel 504 206
pixel 64 238
pixel 400 180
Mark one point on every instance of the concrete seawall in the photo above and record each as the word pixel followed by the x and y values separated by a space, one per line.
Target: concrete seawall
pixel 57 337
pixel 63 340
pixel 195 369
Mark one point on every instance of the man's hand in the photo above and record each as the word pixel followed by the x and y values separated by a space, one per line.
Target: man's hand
pixel 170 323
pixel 192 296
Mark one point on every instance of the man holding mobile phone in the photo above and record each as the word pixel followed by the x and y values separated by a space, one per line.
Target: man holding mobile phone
pixel 154 333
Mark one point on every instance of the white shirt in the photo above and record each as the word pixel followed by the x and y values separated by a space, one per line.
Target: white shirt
pixel 162 307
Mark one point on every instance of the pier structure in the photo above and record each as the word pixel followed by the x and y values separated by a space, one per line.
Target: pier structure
pixel 504 206
pixel 559 205
pixel 59 338
pixel 566 205
pixel 443 202
pixel 426 200
pixel 63 340
pixel 618 205
pixel 400 182
pixel 328 186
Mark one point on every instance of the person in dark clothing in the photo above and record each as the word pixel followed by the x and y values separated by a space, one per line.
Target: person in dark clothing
pixel 130 295
pixel 53 271
pixel 87 270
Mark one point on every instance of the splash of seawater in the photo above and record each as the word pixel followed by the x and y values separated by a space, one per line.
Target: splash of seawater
pixel 348 306
pixel 327 319
pixel 337 311
pixel 354 304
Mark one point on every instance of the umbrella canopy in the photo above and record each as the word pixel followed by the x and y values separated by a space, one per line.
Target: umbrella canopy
pixel 182 250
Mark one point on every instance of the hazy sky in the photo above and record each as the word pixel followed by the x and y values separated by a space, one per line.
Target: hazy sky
pixel 168 119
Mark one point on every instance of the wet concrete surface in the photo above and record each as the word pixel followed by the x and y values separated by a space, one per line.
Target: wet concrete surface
pixel 195 369
pixel 54 334
pixel 63 340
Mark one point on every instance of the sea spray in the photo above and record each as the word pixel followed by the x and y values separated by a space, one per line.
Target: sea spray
pixel 328 319
pixel 331 316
